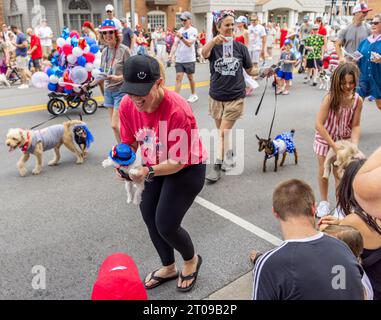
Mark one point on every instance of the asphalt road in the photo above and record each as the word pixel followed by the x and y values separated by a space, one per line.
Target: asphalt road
pixel 71 217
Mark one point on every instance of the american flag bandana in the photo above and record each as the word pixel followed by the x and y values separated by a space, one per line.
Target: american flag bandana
pixel 113 150
pixel 221 14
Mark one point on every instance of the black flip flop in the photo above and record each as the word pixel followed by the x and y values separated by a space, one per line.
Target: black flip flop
pixel 192 276
pixel 159 280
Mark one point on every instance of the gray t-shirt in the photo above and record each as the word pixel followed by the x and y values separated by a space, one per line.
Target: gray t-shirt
pixel 112 62
pixel 352 35
pixel 287 67
pixel 305 30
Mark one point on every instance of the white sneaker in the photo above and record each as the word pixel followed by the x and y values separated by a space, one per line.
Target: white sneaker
pixel 192 98
pixel 23 86
pixel 323 209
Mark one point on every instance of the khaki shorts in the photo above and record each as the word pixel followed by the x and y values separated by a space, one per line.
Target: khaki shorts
pixel 46 50
pixel 22 62
pixel 226 110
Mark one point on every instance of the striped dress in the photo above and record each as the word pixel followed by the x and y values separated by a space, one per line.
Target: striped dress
pixel 339 126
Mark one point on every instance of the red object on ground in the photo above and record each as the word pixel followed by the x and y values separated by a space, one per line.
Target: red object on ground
pixel 118 279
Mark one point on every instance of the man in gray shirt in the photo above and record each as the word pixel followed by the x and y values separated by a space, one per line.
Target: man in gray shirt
pixel 353 34
pixel 308 265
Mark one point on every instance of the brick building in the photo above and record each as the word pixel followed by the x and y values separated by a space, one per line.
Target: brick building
pixel 376 6
pixel 151 13
pixel 1 13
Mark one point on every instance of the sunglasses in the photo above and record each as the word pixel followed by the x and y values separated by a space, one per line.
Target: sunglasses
pixel 108 32
pixel 108 11
pixel 374 22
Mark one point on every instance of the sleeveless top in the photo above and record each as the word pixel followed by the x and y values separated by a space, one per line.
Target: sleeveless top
pixel 339 125
pixel 371 262
pixel 240 39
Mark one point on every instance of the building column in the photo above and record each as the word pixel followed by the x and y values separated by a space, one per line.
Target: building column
pixel 312 17
pixel 60 15
pixel 296 16
pixel 260 16
pixel 266 17
pixel 291 19
pixel 116 8
pixel 209 26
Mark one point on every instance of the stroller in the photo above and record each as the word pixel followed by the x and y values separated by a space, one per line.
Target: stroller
pixel 56 104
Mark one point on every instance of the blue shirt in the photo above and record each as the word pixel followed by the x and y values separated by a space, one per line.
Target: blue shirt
pixel 19 40
pixel 370 71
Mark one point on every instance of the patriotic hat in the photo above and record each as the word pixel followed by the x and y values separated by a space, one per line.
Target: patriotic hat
pixel 118 279
pixel 361 7
pixel 107 25
pixel 122 154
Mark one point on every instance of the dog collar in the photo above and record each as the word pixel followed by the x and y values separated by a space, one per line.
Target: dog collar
pixel 24 147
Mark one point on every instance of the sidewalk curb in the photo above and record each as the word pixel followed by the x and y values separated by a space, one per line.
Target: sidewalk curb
pixel 239 289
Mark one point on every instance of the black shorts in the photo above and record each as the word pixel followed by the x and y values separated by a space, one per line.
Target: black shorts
pixel 36 63
pixel 311 63
pixel 187 67
pixel 301 49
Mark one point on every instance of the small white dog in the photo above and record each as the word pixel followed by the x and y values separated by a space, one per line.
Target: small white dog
pixel 4 81
pixel 125 161
pixel 347 153
pixel 324 80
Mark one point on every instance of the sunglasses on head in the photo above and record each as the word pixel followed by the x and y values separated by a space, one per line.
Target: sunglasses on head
pixel 108 32
pixel 374 22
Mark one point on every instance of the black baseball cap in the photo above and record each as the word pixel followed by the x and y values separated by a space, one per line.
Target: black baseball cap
pixel 140 73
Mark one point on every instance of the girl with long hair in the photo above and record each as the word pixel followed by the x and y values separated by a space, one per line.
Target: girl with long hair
pixel 338 118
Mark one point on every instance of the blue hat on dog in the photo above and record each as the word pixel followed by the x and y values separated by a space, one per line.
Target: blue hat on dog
pixel 122 154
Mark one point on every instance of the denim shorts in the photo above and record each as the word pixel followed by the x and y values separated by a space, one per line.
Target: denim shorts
pixel 112 99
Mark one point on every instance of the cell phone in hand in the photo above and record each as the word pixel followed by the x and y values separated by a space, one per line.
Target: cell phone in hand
pixel 374 56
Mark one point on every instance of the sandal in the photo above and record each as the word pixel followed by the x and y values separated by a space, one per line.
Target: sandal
pixel 192 276
pixel 160 280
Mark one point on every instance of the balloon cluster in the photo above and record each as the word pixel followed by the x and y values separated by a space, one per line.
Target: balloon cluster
pixel 76 61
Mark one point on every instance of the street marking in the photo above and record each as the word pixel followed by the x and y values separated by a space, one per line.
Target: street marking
pixel 239 221
pixel 25 109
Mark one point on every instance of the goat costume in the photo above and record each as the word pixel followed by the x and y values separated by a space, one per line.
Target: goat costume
pixel 283 143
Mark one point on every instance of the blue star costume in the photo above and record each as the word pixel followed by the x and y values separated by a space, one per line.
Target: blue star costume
pixel 283 143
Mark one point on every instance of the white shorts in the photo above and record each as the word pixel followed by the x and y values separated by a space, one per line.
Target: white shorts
pixel 22 62
pixel 254 55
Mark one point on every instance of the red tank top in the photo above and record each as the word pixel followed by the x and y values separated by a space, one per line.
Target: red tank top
pixel 240 39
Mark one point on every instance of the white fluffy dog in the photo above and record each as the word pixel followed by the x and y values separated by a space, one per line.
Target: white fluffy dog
pixel 36 142
pixel 324 80
pixel 124 171
pixel 348 152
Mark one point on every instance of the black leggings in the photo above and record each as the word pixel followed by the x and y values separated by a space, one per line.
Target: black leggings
pixel 165 201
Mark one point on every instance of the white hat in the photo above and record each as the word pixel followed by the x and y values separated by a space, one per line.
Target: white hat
pixel 109 7
pixel 241 19
pixel 361 7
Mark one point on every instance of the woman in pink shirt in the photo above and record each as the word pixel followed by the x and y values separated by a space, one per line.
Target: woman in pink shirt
pixel 162 124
